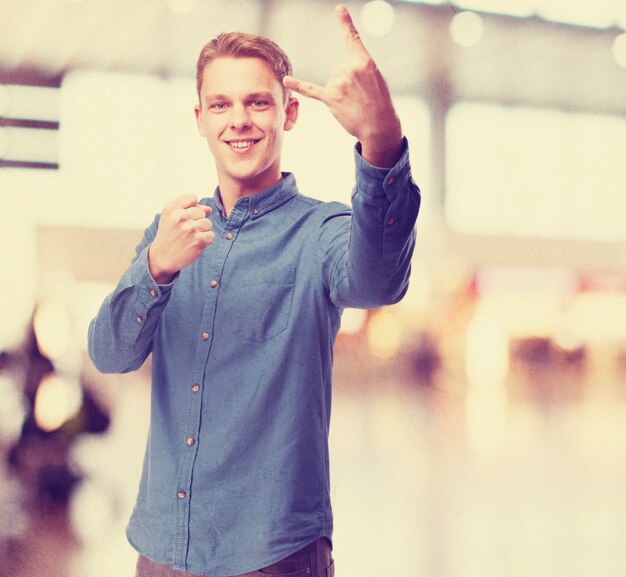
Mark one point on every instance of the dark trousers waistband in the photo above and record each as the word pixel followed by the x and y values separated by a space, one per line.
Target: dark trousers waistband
pixel 314 560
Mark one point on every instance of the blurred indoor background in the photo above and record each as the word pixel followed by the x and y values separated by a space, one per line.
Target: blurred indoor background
pixel 478 426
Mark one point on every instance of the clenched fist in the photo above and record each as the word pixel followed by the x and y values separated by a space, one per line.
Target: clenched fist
pixel 184 232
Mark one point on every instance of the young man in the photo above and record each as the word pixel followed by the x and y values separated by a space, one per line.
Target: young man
pixel 241 310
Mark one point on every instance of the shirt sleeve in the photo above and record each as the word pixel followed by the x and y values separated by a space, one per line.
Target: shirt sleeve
pixel 120 336
pixel 365 254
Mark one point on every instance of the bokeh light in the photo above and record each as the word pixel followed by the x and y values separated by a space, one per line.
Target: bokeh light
pixel 57 400
pixel 619 49
pixel 353 321
pixel 466 29
pixel 487 352
pixel 384 334
pixel 53 327
pixel 378 17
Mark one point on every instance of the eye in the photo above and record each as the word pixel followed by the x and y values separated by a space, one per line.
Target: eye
pixel 218 106
pixel 260 104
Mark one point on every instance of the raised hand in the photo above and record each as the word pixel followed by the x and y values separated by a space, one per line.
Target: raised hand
pixel 358 97
pixel 183 233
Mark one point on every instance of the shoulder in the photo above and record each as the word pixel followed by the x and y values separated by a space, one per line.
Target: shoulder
pixel 319 208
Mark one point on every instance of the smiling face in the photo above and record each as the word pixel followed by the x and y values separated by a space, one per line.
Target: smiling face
pixel 243 117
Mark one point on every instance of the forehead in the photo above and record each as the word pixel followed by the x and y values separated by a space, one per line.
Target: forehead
pixel 228 75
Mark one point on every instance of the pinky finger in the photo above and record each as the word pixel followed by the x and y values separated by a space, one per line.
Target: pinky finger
pixel 203 225
pixel 207 238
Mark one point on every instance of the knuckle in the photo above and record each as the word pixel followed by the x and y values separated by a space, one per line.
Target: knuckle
pixel 200 232
pixel 353 34
pixel 366 66
pixel 195 213
pixel 181 216
pixel 187 198
pixel 178 202
pixel 196 242
pixel 205 240
pixel 369 65
pixel 169 208
pixel 343 86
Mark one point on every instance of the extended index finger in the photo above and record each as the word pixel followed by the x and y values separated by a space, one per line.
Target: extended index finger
pixel 353 38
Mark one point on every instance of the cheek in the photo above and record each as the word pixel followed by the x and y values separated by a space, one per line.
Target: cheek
pixel 212 129
pixel 277 127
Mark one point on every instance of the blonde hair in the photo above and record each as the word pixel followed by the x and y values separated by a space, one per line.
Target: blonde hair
pixel 242 45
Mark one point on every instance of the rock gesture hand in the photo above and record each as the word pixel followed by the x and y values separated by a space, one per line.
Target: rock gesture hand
pixel 358 97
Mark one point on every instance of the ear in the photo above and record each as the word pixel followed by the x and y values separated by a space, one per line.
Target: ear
pixel 198 112
pixel 291 113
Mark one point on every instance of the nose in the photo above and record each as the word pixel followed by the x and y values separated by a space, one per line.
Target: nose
pixel 239 117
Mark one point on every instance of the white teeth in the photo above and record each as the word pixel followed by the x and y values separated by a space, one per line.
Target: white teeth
pixel 242 144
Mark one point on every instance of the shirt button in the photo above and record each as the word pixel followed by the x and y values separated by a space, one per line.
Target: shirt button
pixel 255 211
pixel 153 293
pixel 205 336
pixel 195 387
pixel 390 180
pixel 190 441
pixel 229 235
pixel 214 283
pixel 139 319
pixel 182 494
pixel 390 220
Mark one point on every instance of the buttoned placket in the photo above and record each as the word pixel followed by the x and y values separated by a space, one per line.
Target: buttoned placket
pixel 226 232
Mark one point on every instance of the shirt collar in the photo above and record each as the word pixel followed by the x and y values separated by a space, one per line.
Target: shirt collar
pixel 264 201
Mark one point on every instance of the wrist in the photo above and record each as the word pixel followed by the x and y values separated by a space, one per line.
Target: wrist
pixel 383 147
pixel 382 153
pixel 160 275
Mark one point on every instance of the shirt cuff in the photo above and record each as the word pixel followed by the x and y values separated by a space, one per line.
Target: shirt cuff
pixel 377 182
pixel 143 279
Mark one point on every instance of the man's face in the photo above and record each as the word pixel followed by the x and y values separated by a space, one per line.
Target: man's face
pixel 243 117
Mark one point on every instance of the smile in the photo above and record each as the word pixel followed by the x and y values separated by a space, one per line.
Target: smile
pixel 242 144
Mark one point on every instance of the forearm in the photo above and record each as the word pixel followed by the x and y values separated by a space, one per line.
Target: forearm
pixel 372 266
pixel 121 334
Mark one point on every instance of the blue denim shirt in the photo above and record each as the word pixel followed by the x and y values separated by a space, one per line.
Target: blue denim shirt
pixel 236 471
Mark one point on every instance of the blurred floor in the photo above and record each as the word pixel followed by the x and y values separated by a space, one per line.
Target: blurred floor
pixel 48 549
pixel 522 481
pixel 440 481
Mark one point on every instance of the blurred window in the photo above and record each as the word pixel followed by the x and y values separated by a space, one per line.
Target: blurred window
pixel 28 126
pixel 535 173
pixel 142 149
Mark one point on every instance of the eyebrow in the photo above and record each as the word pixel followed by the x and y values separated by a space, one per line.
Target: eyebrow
pixel 213 97
pixel 261 95
pixel 252 96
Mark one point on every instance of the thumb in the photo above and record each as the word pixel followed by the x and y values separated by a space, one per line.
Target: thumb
pixel 308 89
pixel 207 209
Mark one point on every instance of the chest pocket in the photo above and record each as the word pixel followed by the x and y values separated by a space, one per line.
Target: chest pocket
pixel 265 307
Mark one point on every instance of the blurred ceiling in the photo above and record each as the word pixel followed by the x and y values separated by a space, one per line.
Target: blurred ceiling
pixel 518 60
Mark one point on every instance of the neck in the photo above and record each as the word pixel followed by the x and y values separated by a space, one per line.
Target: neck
pixel 232 191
